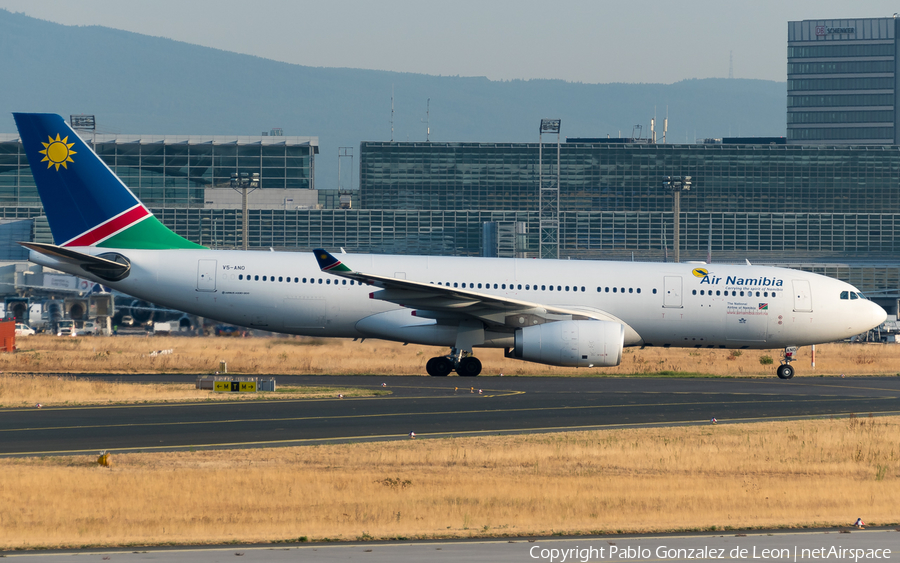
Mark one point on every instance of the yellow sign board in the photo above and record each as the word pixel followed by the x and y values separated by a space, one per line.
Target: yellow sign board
pixel 235 386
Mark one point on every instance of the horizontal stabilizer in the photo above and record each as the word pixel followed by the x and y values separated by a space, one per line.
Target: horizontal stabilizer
pixel 109 266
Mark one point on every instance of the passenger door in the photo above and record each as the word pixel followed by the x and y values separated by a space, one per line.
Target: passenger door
pixel 206 275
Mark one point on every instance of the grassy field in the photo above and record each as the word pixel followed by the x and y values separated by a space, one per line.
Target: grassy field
pixel 809 473
pixel 268 356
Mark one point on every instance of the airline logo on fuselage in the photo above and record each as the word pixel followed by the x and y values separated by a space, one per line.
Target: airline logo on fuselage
pixel 709 278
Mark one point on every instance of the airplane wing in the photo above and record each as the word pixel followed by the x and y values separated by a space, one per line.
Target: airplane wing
pixel 445 303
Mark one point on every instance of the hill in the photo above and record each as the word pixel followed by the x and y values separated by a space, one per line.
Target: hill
pixel 137 84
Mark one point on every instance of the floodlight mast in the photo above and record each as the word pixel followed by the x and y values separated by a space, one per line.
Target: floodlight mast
pixel 548 195
pixel 676 185
pixel 243 181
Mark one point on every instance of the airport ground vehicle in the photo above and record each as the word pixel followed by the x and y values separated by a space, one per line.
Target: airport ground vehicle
pixel 23 329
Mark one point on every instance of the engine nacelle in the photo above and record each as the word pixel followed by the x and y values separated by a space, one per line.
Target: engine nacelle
pixel 572 343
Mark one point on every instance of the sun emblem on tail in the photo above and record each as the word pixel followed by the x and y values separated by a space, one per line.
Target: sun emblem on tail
pixel 57 151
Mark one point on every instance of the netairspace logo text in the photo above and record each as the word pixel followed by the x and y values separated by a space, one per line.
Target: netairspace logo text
pixel 624 553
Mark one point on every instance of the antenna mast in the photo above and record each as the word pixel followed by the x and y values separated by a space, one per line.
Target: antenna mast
pixel 392 113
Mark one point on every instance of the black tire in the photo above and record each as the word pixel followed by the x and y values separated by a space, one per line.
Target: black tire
pixel 469 367
pixel 785 371
pixel 439 367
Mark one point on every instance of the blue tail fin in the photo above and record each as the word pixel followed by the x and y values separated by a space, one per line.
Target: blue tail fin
pixel 85 202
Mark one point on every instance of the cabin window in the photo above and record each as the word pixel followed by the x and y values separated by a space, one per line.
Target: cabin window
pixel 583 289
pixel 320 281
pixel 240 276
pixel 694 292
pixel 742 294
pixel 606 289
pixel 543 288
pixel 551 288
pixel 654 291
pixel 702 292
pixel 623 290
pixel 495 286
pixel 638 290
pixel 280 278
pixel 264 278
pixel 614 289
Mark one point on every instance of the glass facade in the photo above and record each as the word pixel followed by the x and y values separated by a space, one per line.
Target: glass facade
pixel 173 171
pixel 628 177
pixel 841 85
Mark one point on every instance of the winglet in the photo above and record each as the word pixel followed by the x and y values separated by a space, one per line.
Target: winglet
pixel 328 263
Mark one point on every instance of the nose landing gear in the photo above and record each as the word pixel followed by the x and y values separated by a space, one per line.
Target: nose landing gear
pixel 785 371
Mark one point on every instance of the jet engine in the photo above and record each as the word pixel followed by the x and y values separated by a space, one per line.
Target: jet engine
pixel 571 343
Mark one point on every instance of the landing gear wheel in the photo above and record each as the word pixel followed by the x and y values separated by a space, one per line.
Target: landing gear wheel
pixel 469 367
pixel 785 371
pixel 439 367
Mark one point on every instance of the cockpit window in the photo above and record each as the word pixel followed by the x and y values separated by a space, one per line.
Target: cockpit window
pixel 853 295
pixel 845 295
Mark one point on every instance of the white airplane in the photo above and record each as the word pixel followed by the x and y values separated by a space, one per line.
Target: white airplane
pixel 555 312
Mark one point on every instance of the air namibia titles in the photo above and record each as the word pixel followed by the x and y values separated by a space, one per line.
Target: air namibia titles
pixel 734 280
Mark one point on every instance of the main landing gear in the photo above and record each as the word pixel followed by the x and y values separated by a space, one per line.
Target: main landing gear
pixel 465 365
pixel 785 371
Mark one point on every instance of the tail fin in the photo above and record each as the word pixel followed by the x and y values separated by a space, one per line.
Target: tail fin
pixel 85 202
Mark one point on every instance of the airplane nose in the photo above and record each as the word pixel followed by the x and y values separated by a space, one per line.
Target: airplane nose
pixel 878 314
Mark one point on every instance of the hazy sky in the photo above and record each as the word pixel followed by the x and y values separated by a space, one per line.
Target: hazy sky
pixel 579 41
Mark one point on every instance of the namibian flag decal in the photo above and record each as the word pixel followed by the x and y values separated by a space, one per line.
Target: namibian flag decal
pixel 327 262
pixel 111 227
pixel 763 306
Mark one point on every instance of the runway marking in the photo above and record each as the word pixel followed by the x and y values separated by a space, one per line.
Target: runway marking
pixel 207 403
pixel 432 413
pixel 461 434
pixel 815 384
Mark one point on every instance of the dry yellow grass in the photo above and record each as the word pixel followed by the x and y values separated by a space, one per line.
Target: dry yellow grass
pixel 17 390
pixel 809 473
pixel 266 356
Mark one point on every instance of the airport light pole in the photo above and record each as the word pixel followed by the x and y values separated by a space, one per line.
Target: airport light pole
pixel 677 184
pixel 244 182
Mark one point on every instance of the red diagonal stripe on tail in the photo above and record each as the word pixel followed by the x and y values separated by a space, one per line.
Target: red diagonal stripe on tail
pixel 111 227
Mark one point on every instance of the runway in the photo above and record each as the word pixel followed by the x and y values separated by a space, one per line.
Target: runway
pixel 433 407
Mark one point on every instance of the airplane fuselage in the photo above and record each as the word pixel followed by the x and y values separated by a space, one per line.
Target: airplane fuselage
pixel 682 305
